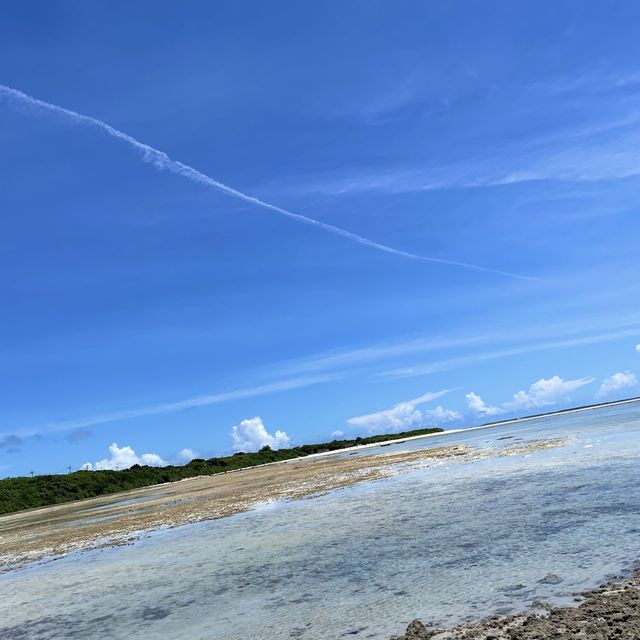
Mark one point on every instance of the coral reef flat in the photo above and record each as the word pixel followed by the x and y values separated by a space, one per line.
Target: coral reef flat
pixel 610 612
pixel 449 529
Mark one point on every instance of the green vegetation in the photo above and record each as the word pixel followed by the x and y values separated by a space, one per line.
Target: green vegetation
pixel 17 494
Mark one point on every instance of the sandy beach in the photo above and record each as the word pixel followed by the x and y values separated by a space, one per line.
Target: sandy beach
pixel 116 519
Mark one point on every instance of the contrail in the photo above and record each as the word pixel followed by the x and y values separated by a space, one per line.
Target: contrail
pixel 163 162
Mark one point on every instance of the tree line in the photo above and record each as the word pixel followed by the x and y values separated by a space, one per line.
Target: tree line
pixel 21 493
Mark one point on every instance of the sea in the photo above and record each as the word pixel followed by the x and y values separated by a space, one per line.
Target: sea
pixel 457 540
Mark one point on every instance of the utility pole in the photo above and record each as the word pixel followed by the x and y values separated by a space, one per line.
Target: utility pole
pixel 69 467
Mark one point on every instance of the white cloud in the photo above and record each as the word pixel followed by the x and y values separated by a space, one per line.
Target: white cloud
pixel 123 458
pixel 404 415
pixel 542 393
pixel 618 381
pixel 181 405
pixel 478 405
pixel 337 434
pixel 341 364
pixel 638 348
pixel 440 414
pixel 577 154
pixel 186 455
pixel 251 435
pixel 546 392
pixel 162 162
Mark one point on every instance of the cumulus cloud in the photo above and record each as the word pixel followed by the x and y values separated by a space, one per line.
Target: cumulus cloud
pixel 542 393
pixel 251 435
pixel 478 405
pixel 337 434
pixel 405 415
pixel 186 455
pixel 638 348
pixel 546 392
pixel 618 381
pixel 440 414
pixel 123 458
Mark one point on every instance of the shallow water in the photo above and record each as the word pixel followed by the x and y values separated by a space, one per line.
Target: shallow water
pixel 443 543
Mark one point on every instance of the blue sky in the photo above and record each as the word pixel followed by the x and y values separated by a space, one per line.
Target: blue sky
pixel 148 309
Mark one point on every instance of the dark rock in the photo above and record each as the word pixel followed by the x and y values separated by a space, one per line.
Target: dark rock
pixel 416 630
pixel 550 578
pixel 610 612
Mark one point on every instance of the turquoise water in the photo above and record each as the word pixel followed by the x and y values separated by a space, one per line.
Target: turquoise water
pixel 443 543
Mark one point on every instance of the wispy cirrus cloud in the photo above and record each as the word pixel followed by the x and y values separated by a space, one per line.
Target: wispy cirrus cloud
pixel 591 148
pixel 369 362
pixel 448 364
pixel 161 161
pixel 172 407
pixel 581 161
pixel 520 335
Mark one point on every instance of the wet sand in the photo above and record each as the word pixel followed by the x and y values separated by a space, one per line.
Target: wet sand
pixel 51 532
pixel 610 612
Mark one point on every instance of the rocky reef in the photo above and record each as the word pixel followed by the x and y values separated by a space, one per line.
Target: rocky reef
pixel 610 612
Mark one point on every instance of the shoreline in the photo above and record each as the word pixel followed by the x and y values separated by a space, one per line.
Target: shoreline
pixel 337 454
pixel 608 612
pixel 57 530
pixel 50 532
pixel 487 425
